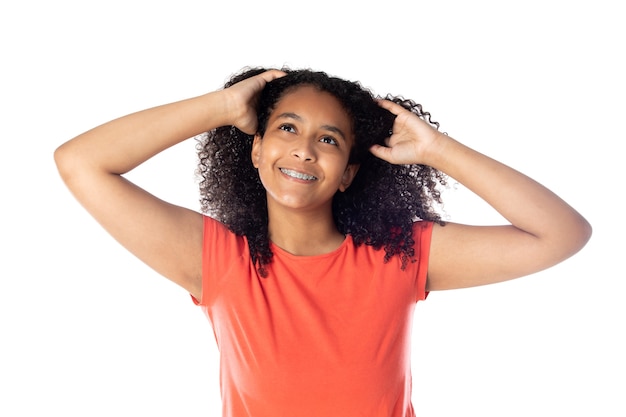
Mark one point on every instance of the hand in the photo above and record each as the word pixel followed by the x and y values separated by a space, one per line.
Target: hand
pixel 411 139
pixel 244 96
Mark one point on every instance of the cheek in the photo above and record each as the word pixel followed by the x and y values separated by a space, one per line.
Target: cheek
pixel 267 153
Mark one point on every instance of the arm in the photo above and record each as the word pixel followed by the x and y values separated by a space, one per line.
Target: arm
pixel 166 237
pixel 544 230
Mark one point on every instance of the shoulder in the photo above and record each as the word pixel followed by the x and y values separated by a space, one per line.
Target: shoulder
pixel 423 226
pixel 220 243
pixel 422 236
pixel 216 233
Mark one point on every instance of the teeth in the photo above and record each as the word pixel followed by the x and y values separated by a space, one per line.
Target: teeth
pixel 298 175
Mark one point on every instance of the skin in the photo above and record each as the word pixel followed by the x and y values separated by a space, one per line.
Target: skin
pixel 310 134
pixel 543 229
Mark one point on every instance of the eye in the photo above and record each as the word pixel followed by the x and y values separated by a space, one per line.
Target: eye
pixel 329 139
pixel 287 127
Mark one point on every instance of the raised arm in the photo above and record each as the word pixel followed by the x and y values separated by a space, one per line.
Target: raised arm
pixel 543 231
pixel 166 237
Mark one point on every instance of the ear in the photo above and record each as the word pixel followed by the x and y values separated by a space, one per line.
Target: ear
pixel 348 176
pixel 255 155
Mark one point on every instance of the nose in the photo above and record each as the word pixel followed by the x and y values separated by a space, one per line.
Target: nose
pixel 304 151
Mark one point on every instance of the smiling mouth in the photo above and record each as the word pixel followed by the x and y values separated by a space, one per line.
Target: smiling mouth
pixel 297 175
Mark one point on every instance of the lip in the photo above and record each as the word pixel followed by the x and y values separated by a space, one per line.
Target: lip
pixel 298 175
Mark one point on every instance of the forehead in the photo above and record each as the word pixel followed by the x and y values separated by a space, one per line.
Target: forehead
pixel 313 104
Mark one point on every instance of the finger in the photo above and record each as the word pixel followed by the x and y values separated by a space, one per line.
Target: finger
pixel 270 75
pixel 381 152
pixel 391 106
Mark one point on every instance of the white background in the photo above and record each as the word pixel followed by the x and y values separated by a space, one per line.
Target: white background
pixel 87 330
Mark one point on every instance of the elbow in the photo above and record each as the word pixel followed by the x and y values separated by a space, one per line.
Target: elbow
pixel 70 165
pixel 62 160
pixel 585 232
pixel 579 235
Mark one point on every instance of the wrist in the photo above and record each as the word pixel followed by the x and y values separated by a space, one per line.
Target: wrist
pixel 220 109
pixel 438 150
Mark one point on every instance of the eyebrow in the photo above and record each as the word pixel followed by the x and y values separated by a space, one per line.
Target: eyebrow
pixel 330 128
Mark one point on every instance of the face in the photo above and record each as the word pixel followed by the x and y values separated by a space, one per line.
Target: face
pixel 303 157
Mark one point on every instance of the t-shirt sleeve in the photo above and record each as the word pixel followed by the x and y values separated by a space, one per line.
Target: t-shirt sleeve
pixel 220 248
pixel 422 231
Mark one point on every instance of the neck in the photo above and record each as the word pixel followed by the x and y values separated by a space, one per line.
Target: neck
pixel 304 234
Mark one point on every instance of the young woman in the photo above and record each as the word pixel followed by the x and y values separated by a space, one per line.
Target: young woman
pixel 320 232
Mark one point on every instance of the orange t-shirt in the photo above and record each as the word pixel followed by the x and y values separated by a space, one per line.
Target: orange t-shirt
pixel 325 335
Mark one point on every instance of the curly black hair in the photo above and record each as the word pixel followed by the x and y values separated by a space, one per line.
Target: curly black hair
pixel 378 209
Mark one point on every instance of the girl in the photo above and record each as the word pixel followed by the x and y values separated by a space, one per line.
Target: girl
pixel 322 232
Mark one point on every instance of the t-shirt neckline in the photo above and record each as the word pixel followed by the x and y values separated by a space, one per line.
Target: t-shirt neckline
pixel 277 250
